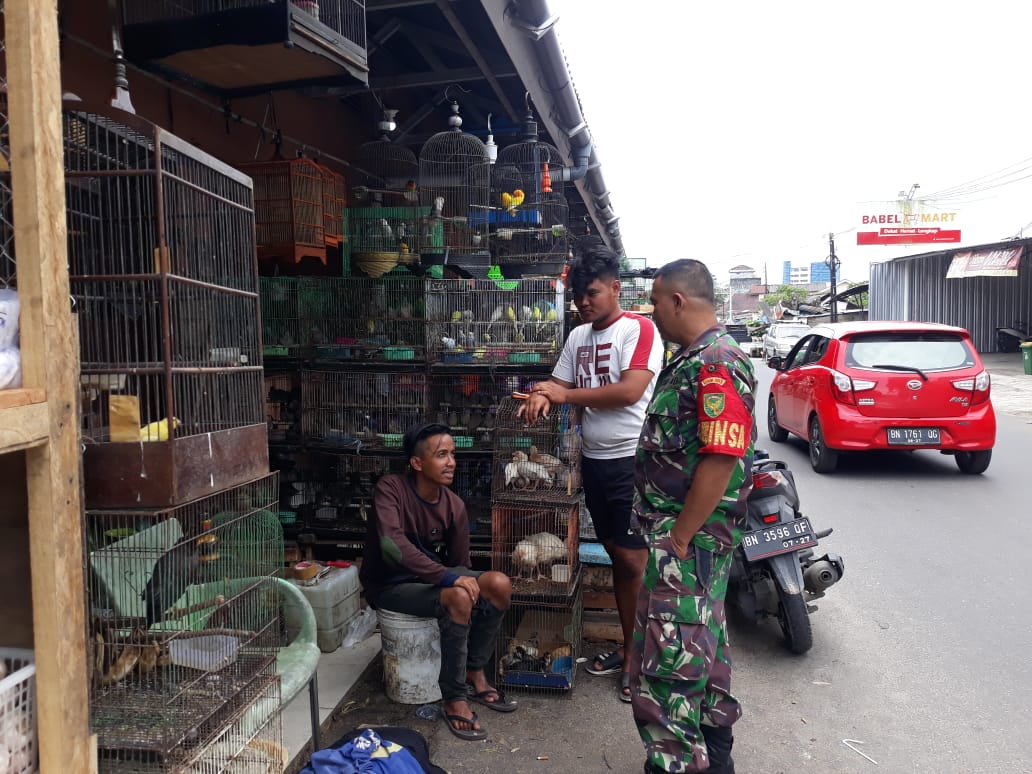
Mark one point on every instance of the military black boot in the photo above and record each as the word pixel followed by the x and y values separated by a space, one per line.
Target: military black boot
pixel 719 742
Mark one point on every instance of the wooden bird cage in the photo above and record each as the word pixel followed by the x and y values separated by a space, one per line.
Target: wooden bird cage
pixel 536 545
pixel 290 209
pixel 335 200
pixel 529 214
pixel 161 263
pixel 454 187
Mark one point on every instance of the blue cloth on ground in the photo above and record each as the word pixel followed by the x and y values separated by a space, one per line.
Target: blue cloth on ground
pixel 365 754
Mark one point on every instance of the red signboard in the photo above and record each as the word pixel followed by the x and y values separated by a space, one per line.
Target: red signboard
pixel 907 236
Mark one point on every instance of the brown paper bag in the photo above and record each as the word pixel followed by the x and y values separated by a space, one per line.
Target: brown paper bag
pixel 124 411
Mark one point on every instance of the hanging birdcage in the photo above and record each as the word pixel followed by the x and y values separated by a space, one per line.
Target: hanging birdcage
pixel 529 213
pixel 454 183
pixel 387 172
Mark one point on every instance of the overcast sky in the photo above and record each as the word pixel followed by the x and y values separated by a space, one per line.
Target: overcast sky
pixel 745 132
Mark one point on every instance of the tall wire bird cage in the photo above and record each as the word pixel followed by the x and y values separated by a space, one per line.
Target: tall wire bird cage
pixel 529 213
pixel 281 317
pixel 387 172
pixel 161 263
pixel 184 628
pixel 454 188
pixel 467 401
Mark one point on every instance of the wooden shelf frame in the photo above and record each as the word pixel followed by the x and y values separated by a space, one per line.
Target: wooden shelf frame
pixel 42 419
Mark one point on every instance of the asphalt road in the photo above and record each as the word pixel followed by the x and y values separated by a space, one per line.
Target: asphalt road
pixel 921 651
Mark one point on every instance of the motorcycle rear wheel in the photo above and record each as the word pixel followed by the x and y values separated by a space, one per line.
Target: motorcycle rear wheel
pixel 795 622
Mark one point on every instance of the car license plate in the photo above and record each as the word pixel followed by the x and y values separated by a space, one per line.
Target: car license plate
pixel 777 539
pixel 913 436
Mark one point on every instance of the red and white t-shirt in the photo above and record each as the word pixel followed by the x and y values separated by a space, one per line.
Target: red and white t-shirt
pixel 595 358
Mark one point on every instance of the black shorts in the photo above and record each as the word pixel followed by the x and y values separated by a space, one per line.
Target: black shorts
pixel 609 495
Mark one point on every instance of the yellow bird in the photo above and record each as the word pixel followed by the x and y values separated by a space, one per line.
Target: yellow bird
pixel 158 431
pixel 517 198
pixel 507 200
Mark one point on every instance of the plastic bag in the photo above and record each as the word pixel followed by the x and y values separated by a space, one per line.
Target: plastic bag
pixel 360 628
pixel 10 308
pixel 10 368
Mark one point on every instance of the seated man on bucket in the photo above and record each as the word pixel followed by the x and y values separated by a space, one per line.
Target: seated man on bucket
pixel 416 562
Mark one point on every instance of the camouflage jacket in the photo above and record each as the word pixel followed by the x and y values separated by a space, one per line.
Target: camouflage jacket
pixel 703 404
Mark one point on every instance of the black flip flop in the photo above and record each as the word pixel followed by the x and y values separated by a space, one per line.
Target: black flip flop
pixel 467 734
pixel 625 685
pixel 501 704
pixel 610 662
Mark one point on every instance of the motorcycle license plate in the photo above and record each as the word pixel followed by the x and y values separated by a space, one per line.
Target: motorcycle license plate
pixel 777 539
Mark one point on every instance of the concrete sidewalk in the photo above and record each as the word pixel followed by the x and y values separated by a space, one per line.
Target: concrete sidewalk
pixel 1011 387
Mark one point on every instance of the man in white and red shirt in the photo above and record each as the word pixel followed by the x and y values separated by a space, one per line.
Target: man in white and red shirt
pixel 608 367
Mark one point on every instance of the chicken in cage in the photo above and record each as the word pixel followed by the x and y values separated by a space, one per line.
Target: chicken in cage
pixel 161 267
pixel 454 188
pixel 540 642
pixel 536 546
pixel 361 409
pixel 539 462
pixel 489 321
pixel 363 319
pixel 183 615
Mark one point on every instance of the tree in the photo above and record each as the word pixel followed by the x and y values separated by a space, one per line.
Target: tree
pixel 787 295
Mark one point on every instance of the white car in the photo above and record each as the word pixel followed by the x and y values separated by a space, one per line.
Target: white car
pixel 781 337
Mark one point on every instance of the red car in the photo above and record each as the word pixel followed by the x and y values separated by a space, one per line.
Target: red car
pixel 884 385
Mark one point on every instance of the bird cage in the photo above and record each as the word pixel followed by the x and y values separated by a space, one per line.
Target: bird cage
pixel 162 272
pixel 281 316
pixel 363 319
pixel 290 209
pixel 467 400
pixel 494 321
pixel 536 463
pixel 335 200
pixel 454 187
pixel 361 410
pixel 183 624
pixel 387 172
pixel 540 642
pixel 379 238
pixel 283 406
pixel 536 544
pixel 635 292
pixel 529 214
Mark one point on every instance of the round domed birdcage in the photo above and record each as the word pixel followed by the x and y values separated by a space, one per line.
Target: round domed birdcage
pixel 387 171
pixel 454 184
pixel 529 233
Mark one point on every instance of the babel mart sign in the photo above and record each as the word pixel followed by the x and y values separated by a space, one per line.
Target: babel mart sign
pixel 906 222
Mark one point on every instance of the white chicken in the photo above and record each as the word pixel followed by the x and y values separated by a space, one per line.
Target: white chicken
pixel 521 473
pixel 535 553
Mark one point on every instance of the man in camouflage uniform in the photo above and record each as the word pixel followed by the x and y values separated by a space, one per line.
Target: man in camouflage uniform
pixel 693 475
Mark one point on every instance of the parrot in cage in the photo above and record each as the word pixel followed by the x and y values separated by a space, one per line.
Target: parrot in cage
pixel 411 192
pixel 178 568
pixel 158 431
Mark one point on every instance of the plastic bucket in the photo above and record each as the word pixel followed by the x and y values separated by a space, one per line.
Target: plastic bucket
pixel 411 657
pixel 1026 356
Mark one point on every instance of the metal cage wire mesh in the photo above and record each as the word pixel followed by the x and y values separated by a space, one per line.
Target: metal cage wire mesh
pixel 454 185
pixel 536 545
pixel 184 620
pixel 540 642
pixel 467 401
pixel 538 463
pixel 290 207
pixel 361 409
pixel 389 173
pixel 534 230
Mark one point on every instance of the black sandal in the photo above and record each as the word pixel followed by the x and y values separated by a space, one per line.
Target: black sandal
pixel 625 687
pixel 467 734
pixel 609 663
pixel 500 704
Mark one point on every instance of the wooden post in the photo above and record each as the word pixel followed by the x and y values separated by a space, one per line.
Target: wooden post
pixel 50 361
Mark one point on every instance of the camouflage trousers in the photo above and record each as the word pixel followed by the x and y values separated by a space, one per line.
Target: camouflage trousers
pixel 681 664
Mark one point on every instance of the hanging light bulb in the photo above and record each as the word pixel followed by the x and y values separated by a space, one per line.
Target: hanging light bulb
pixel 386 124
pixel 492 149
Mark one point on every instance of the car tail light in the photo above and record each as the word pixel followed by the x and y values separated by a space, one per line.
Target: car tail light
pixel 977 386
pixel 844 387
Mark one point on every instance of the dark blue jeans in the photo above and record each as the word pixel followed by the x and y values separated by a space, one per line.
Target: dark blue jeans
pixel 464 647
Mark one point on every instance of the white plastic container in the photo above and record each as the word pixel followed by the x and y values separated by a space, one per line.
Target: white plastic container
pixel 333 597
pixel 18 751
pixel 209 653
pixel 411 657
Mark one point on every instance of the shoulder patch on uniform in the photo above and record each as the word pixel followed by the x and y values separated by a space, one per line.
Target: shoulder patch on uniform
pixel 713 405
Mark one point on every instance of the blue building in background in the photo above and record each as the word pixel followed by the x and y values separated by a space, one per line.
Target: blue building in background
pixel 805 274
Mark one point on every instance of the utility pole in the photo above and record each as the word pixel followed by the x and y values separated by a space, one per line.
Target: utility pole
pixel 832 260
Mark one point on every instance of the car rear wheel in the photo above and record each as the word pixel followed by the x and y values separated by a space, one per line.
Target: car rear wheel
pixel 776 432
pixel 822 459
pixel 973 463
